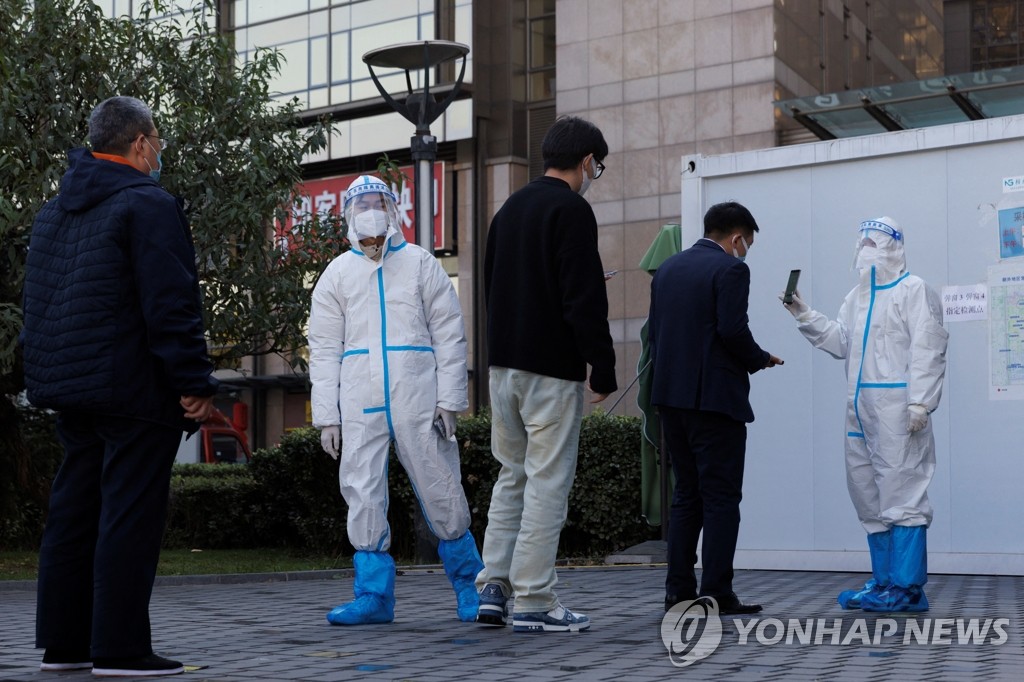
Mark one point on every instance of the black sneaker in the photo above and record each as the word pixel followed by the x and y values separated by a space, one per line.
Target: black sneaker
pixel 146 666
pixel 57 659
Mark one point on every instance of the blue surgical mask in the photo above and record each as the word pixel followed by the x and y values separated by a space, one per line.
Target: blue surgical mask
pixel 154 172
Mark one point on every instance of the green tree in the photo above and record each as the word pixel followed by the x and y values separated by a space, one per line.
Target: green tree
pixel 235 158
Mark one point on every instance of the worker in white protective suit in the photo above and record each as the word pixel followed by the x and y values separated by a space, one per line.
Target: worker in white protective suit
pixel 889 331
pixel 388 360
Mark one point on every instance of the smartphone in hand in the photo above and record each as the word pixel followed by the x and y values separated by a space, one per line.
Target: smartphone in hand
pixel 794 277
pixel 439 425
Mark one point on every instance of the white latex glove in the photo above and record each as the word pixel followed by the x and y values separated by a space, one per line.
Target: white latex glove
pixel 797 307
pixel 917 418
pixel 448 419
pixel 330 440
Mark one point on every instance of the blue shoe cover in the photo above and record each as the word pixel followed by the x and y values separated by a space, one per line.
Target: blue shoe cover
pixel 909 563
pixel 880 548
pixel 374 588
pixel 369 608
pixel 851 599
pixel 908 568
pixel 468 601
pixel 896 599
pixel 462 563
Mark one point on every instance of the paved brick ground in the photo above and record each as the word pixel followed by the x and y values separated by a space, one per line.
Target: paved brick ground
pixel 275 630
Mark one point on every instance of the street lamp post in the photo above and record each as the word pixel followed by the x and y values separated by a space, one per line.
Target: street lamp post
pixel 421 109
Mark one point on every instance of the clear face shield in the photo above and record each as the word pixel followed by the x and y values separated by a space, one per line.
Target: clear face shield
pixel 877 242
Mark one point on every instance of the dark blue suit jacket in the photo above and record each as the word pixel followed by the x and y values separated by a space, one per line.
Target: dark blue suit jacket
pixel 701 347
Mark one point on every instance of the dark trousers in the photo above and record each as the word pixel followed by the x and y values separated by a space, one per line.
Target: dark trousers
pixel 707 451
pixel 108 508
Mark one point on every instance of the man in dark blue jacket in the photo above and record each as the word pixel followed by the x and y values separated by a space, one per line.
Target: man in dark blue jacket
pixel 702 353
pixel 113 341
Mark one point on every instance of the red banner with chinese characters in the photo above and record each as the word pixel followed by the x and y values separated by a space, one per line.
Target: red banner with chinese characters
pixel 327 195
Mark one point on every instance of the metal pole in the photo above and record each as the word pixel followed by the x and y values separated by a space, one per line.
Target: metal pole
pixel 424 152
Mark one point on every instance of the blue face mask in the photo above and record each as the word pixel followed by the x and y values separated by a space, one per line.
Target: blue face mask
pixel 154 172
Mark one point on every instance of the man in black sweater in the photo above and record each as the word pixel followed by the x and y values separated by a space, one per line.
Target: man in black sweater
pixel 547 319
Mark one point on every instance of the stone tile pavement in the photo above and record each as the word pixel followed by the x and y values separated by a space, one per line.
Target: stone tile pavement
pixel 275 630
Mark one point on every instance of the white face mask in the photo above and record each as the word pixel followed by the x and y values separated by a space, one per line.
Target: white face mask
pixel 868 256
pixel 746 250
pixel 587 179
pixel 371 223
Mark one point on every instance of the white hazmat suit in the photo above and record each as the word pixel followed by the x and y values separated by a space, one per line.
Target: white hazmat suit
pixel 388 355
pixel 889 331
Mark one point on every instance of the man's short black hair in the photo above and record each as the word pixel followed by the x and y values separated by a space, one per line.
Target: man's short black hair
pixel 723 219
pixel 569 140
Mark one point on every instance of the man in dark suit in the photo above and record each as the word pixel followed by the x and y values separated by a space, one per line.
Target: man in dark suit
pixel 702 353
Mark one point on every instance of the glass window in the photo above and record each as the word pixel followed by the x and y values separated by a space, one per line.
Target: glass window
pixel 996 32
pixel 372 37
pixel 339 60
pixel 464 35
pixel 427 27
pixel 277 32
pixel 294 74
pixel 318 24
pixel 364 88
pixel 318 98
pixel 341 93
pixel 318 62
pixel 323 41
pixel 368 13
pixel 540 51
pixel 341 18
pixel 542 85
pixel 542 42
pixel 264 10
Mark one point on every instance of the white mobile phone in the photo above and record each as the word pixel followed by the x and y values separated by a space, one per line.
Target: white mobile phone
pixel 610 273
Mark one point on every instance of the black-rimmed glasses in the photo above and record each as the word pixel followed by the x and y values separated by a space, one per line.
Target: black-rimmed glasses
pixel 599 168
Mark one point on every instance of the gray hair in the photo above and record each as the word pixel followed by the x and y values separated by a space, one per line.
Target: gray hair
pixel 115 122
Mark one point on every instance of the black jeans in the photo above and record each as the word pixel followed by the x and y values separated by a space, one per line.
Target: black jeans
pixel 108 508
pixel 707 451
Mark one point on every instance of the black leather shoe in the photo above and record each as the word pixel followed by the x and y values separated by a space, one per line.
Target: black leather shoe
pixel 731 606
pixel 671 600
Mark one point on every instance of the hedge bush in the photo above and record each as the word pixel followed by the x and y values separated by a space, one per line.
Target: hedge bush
pixel 289 495
pixel 212 507
pixel 300 505
pixel 30 456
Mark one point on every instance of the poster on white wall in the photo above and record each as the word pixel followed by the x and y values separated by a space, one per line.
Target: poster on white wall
pixel 1006 331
